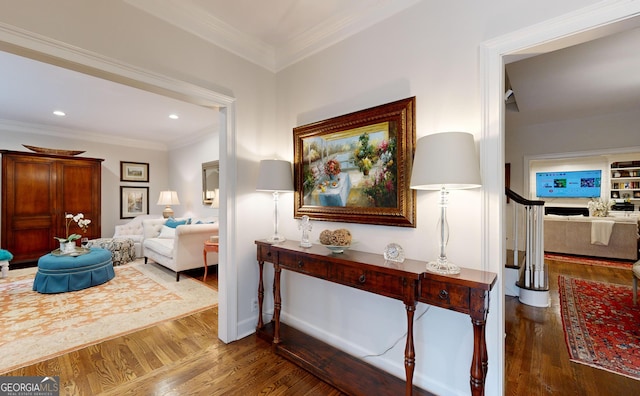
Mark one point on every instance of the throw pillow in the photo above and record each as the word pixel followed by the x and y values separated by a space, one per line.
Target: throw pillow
pixel 167 232
pixel 173 223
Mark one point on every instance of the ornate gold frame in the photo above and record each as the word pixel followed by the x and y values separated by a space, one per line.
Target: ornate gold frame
pixel 394 120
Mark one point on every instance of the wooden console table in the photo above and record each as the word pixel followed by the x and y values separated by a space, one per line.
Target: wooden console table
pixel 467 292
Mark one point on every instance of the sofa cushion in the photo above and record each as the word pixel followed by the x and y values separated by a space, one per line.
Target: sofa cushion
pixel 160 246
pixel 167 232
pixel 173 223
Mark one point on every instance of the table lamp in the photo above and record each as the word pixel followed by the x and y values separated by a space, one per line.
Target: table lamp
pixel 168 198
pixel 275 176
pixel 445 161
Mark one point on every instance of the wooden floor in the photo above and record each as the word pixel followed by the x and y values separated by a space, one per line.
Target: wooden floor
pixel 180 357
pixel 184 357
pixel 537 360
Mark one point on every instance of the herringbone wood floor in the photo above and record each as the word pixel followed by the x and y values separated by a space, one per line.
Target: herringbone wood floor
pixel 184 357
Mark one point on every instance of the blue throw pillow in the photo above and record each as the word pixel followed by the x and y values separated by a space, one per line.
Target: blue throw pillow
pixel 173 223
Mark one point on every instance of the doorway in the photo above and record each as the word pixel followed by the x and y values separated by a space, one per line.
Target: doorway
pixel 553 34
pixel 73 58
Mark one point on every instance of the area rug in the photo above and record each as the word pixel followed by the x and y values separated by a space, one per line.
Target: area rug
pixel 622 264
pixel 601 325
pixel 36 327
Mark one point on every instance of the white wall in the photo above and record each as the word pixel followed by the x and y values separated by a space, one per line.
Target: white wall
pixel 185 175
pixel 430 51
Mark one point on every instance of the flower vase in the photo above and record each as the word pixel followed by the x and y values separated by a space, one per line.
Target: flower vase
pixel 67 247
pixel 332 177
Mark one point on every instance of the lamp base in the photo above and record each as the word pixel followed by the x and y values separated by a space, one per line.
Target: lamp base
pixel 276 238
pixel 167 212
pixel 444 267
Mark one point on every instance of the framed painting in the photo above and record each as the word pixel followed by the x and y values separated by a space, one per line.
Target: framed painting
pixel 134 171
pixel 134 201
pixel 356 167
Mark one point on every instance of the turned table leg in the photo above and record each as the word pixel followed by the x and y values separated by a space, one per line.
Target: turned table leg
pixel 409 350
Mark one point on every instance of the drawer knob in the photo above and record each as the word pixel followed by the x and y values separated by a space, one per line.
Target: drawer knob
pixel 300 264
pixel 362 278
pixel 444 295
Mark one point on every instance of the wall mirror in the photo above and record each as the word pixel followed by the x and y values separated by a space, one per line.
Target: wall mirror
pixel 211 184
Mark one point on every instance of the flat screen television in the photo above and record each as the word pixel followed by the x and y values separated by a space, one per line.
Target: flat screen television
pixel 570 184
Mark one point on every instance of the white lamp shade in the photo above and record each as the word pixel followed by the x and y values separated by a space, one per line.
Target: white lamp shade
pixel 446 159
pixel 275 175
pixel 168 198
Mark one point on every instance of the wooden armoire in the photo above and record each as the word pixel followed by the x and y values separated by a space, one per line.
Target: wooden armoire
pixel 37 191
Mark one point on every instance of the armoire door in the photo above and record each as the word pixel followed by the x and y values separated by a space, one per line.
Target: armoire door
pixel 29 194
pixel 79 192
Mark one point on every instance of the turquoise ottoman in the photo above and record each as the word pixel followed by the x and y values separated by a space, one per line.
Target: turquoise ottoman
pixel 59 274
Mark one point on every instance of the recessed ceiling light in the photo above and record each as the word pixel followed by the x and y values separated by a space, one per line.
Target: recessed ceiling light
pixel 59 113
pixel 173 116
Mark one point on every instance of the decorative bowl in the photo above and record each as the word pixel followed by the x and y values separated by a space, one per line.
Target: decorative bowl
pixel 336 248
pixel 43 150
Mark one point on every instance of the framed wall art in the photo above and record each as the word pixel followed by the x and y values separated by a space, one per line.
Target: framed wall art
pixel 134 171
pixel 356 167
pixel 134 201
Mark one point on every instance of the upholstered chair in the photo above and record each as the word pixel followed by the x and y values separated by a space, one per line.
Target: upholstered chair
pixel 133 230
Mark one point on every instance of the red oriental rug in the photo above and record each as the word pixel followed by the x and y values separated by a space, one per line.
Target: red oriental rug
pixel 602 262
pixel 601 325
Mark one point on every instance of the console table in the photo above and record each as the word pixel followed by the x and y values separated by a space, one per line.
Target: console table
pixel 467 292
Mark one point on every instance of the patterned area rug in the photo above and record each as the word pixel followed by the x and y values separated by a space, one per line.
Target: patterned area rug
pixel 623 264
pixel 37 327
pixel 601 325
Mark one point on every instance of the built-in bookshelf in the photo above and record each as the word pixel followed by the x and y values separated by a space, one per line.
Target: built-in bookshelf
pixel 625 180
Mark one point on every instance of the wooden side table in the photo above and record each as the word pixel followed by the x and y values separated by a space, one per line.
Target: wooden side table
pixel 208 247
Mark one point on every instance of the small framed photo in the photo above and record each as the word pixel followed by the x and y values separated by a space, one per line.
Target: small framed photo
pixel 134 171
pixel 134 201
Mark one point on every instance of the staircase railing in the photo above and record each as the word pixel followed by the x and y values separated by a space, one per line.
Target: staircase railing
pixel 532 271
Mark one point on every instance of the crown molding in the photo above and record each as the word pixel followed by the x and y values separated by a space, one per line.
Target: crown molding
pixel 67 133
pixel 335 30
pixel 192 18
pixel 22 42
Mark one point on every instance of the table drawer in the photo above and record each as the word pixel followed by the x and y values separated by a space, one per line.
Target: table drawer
pixel 377 282
pixel 303 264
pixel 444 295
pixel 265 254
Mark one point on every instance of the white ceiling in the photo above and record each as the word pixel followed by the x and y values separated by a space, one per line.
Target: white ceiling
pixel 595 77
pixel 601 76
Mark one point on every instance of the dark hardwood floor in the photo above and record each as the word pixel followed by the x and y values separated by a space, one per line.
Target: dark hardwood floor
pixel 537 360
pixel 185 357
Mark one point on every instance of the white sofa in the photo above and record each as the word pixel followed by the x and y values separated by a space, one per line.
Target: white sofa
pixel 181 251
pixel 133 230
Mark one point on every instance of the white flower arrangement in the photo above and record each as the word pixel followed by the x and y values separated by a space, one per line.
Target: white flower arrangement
pixel 82 223
pixel 599 207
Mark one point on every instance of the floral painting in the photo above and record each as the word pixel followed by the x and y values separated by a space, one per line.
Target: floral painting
pixel 358 171
pixel 354 168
